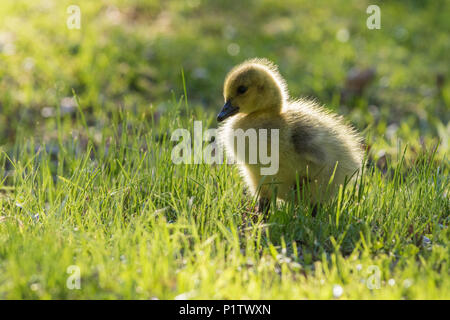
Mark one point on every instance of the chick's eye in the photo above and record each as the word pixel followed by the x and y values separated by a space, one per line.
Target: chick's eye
pixel 241 89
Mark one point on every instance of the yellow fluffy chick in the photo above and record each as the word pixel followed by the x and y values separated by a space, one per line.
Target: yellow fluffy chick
pixel 314 146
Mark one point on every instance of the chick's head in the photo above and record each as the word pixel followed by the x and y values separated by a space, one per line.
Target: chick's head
pixel 253 86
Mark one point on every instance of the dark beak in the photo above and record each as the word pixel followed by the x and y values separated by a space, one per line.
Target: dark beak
pixel 227 111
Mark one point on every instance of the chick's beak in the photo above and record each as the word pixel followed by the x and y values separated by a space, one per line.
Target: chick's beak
pixel 227 111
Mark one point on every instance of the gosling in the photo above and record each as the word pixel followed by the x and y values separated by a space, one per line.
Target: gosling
pixel 317 150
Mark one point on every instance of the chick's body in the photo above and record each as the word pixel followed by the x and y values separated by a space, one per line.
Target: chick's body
pixel 314 145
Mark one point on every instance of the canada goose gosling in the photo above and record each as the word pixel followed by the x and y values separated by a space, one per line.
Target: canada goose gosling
pixel 315 145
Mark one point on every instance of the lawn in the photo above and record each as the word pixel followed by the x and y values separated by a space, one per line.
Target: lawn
pixel 92 206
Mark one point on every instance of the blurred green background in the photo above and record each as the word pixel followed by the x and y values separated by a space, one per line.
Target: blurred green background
pixel 88 179
pixel 128 55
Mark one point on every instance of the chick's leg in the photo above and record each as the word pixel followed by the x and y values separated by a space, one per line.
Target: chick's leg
pixel 263 205
pixel 315 209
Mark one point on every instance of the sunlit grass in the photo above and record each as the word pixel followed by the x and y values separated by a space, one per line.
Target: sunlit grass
pixel 140 227
pixel 85 156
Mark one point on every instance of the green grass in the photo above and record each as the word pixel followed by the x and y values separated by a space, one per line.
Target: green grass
pixel 91 183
